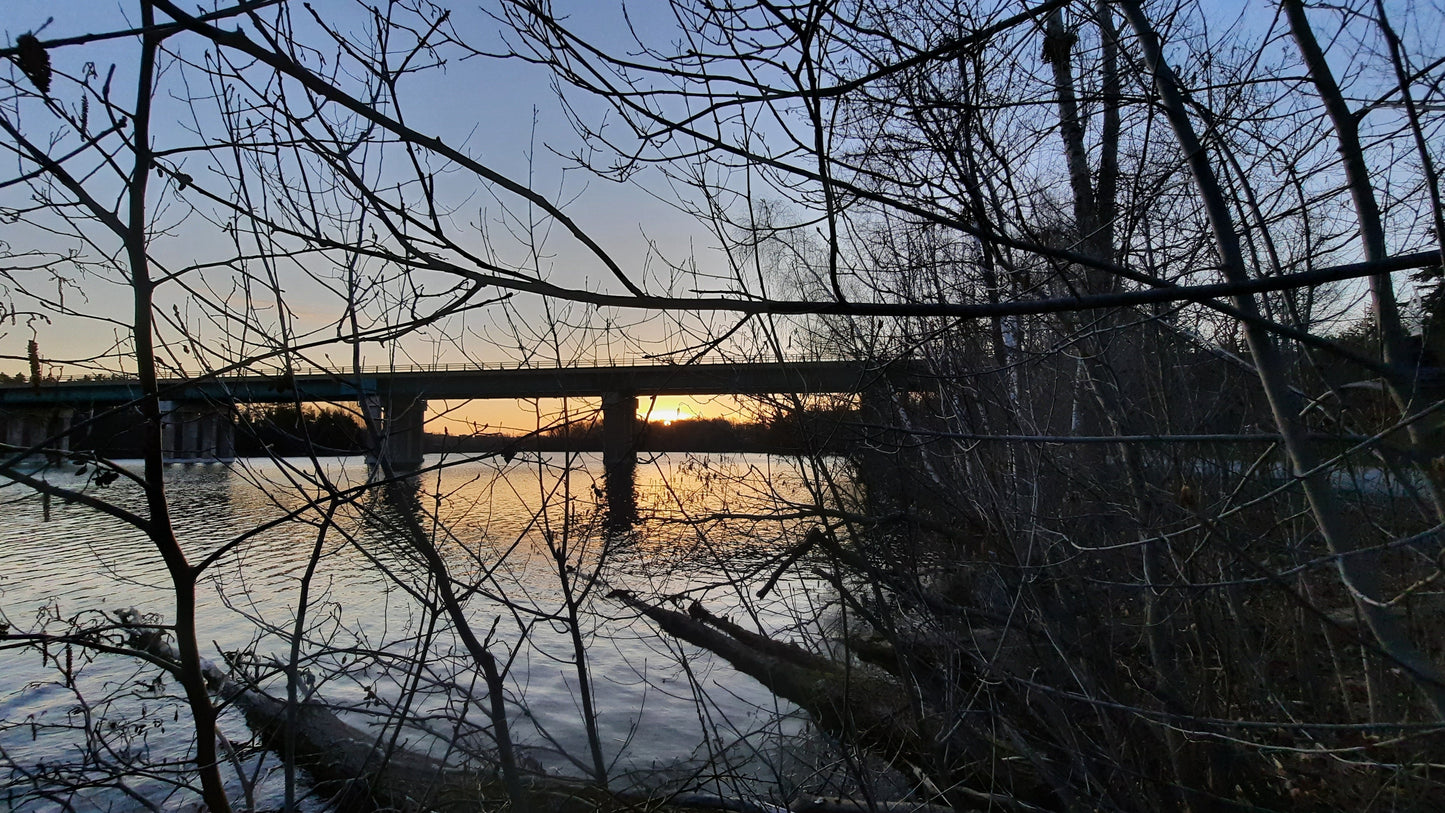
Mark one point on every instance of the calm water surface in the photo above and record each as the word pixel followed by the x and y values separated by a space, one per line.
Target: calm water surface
pixel 709 528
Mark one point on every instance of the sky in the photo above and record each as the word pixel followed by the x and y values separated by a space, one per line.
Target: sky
pixel 502 112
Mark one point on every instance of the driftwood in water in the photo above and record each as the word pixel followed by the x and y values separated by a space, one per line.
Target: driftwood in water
pixel 351 766
pixel 344 762
pixel 861 702
pixel 357 772
pixel 863 705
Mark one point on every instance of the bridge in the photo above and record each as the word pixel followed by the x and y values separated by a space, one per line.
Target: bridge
pixel 196 412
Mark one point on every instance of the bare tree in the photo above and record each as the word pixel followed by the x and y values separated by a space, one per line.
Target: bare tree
pixel 1102 550
pixel 921 153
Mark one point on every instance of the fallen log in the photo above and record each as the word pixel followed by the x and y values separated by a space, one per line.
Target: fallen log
pixel 357 772
pixel 858 702
pixel 868 707
pixel 345 762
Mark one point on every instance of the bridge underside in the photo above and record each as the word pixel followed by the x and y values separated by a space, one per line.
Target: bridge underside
pixel 37 429
pixel 197 433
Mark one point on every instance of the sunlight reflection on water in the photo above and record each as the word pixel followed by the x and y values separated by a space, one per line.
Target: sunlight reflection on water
pixel 705 523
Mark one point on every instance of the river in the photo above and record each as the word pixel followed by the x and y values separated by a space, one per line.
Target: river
pixel 708 527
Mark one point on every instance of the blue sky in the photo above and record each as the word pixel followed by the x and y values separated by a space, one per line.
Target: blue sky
pixel 502 112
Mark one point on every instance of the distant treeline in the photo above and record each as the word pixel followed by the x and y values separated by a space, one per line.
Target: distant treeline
pixel 286 431
pixel 832 431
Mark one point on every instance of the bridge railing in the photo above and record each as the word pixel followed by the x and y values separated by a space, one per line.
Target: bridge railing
pixel 460 366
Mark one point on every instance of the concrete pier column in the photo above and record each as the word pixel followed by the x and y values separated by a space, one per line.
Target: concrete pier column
pixel 190 450
pixel 374 417
pixel 406 435
pixel 208 428
pixel 57 432
pixel 59 428
pixel 619 458
pixel 34 428
pixel 208 423
pixel 225 437
pixel 15 429
pixel 197 433
pixel 619 431
pixel 23 428
pixel 170 430
pixel 400 430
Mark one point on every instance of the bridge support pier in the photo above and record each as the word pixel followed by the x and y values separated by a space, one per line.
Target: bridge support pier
pixel 197 433
pixel 400 427
pixel 619 432
pixel 619 455
pixel 49 427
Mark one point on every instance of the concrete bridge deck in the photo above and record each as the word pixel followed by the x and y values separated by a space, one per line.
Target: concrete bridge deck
pixel 196 411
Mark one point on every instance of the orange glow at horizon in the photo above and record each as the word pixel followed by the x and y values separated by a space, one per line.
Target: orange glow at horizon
pixel 667 416
pixel 520 416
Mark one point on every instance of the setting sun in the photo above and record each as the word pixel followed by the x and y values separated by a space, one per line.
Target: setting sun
pixel 666 416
